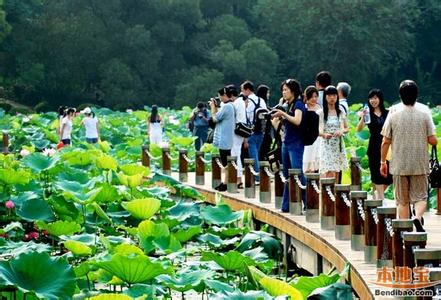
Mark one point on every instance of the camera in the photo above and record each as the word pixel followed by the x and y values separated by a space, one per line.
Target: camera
pixel 216 100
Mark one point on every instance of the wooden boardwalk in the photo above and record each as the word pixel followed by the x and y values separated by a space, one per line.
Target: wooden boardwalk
pixel 337 252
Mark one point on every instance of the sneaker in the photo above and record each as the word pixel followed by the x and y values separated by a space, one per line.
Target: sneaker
pixel 418 226
pixel 240 185
pixel 219 185
pixel 222 187
pixel 257 183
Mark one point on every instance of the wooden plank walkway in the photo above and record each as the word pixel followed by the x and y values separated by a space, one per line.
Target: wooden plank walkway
pixel 337 252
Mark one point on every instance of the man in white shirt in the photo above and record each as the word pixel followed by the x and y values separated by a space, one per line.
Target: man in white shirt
pixel 343 89
pixel 322 80
pixel 254 142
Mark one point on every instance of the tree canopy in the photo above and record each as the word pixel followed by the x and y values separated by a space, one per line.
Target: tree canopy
pixel 131 53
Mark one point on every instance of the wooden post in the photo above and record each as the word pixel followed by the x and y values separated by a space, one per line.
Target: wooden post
pixel 5 142
pixel 413 240
pixel 265 183
pixel 427 257
pixel 399 226
pixel 279 186
pixel 370 230
pixel 250 188
pixel 312 197
pixel 342 212
pixel 327 217
pixel 355 174
pixel 232 174
pixel 357 219
pixel 295 193
pixel 183 165
pixel 200 168
pixel 216 171
pixel 166 162
pixel 384 238
pixel 145 159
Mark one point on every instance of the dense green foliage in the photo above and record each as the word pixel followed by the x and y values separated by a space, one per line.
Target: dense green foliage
pixel 135 52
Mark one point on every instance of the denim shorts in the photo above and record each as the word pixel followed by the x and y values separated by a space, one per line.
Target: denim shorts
pixel 92 140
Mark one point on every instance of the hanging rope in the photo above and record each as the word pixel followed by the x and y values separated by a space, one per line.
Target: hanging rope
pixel 218 162
pixel 360 209
pixel 315 187
pixel 233 163
pixel 374 215
pixel 299 183
pixel 185 157
pixel 330 194
pixel 344 196
pixel 268 172
pixel 389 228
pixel 151 156
pixel 282 178
pixel 169 156
pixel 205 161
pixel 252 171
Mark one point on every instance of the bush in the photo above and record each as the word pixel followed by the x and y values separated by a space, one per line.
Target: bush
pixel 6 106
pixel 84 105
pixel 15 110
pixel 42 107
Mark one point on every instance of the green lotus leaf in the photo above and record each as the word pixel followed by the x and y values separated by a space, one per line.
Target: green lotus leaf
pixel 361 152
pixel 230 261
pixel 10 176
pixel 88 239
pixel 111 297
pixel 184 210
pixel 167 244
pixel 134 169
pixel 363 135
pixel 77 248
pixel 104 146
pixel 239 295
pixel 183 142
pixel 107 194
pixel 336 290
pixel 149 228
pixel 65 210
pixel 101 213
pixel 39 162
pixel 47 277
pixel 142 208
pixel 23 197
pixel 10 248
pixel 186 234
pixel 130 181
pixel 35 209
pixel 270 244
pixel 12 226
pixel 73 174
pixel 276 287
pixel 208 148
pixel 133 268
pixel 127 249
pixel 106 162
pixel 218 286
pixel 82 269
pixel 186 279
pixel 141 290
pixel 216 241
pixel 155 150
pixel 220 214
pixel 59 228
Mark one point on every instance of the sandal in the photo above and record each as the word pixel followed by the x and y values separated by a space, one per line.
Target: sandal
pixel 240 185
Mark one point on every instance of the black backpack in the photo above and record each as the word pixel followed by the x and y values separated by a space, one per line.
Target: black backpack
pixel 310 127
pixel 260 120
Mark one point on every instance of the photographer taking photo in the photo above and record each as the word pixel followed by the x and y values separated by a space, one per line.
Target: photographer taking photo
pixel 199 119
pixel 224 119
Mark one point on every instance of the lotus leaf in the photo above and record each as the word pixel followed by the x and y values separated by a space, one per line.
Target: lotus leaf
pixel 218 286
pixel 74 174
pixel 47 277
pixel 186 234
pixel 130 181
pixel 111 297
pixel 104 146
pixel 270 244
pixel 35 209
pixel 142 208
pixel 141 290
pixel 127 249
pixel 230 261
pixel 78 248
pixel 101 213
pixel 148 229
pixel 64 209
pixel 107 194
pixel 337 290
pixel 167 244
pixel 276 287
pixel 183 142
pixel 186 279
pixel 10 176
pixel 216 241
pixel 23 197
pixel 39 162
pixel 82 269
pixel 183 210
pixel 85 238
pixel 9 248
pixel 133 268
pixel 106 162
pixel 133 169
pixel 239 295
pixel 12 226
pixel 59 228
pixel 220 214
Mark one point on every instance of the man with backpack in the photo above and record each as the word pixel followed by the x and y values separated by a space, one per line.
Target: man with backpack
pixel 255 107
pixel 198 124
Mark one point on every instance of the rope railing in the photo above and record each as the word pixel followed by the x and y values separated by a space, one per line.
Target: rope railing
pixel 389 228
pixel 185 157
pixel 315 187
pixel 282 178
pixel 360 209
pixel 233 163
pixel 205 161
pixel 345 199
pixel 299 183
pixel 330 194
pixel 218 162
pixel 268 172
pixel 151 155
pixel 374 215
pixel 253 171
pixel 170 157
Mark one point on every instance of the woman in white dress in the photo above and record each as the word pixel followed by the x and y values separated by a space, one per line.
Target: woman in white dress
pixel 311 156
pixel 333 125
pixel 90 122
pixel 155 126
pixel 66 126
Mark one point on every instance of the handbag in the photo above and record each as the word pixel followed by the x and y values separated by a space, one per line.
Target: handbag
pixel 210 136
pixel 243 130
pixel 435 170
pixel 275 154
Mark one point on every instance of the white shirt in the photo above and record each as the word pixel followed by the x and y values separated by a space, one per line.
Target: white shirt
pixel 344 103
pixel 251 106
pixel 239 109
pixel 67 123
pixel 91 127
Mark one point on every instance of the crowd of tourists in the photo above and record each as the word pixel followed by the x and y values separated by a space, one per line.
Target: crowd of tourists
pixel 306 131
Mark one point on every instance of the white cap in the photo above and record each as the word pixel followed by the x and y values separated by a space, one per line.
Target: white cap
pixel 87 110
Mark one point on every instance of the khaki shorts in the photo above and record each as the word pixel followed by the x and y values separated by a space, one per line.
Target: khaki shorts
pixel 410 189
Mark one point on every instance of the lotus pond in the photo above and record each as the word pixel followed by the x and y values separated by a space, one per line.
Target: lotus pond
pixel 89 222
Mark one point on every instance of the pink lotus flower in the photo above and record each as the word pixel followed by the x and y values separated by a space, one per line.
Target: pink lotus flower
pixel 9 204
pixel 49 152
pixel 24 152
pixel 33 235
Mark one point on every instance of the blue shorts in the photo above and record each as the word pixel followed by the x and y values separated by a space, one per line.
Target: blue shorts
pixel 66 141
pixel 92 140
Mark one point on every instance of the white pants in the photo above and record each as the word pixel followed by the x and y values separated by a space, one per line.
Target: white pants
pixel 155 133
pixel 236 150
